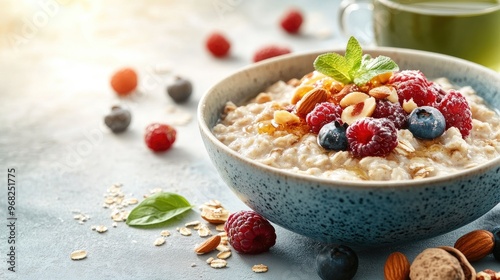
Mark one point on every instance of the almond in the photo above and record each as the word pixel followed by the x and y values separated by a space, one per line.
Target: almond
pixel 397 267
pixel 309 101
pixel 299 92
pixel 384 92
pixel 476 244
pixel 209 245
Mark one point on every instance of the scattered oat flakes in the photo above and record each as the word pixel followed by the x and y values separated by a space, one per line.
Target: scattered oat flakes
pixel 185 231
pixel 204 231
pixel 259 268
pixel 165 233
pixel 223 248
pixel 101 229
pixel 78 255
pixel 114 224
pixel 220 227
pixel 209 260
pixel 224 255
pixel 193 265
pixel 218 263
pixel 159 241
pixel 192 224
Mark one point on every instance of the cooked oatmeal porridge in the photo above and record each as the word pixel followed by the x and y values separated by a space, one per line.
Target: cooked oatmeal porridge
pixel 272 129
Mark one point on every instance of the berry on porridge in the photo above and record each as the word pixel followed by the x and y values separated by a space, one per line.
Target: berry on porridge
pixel 361 118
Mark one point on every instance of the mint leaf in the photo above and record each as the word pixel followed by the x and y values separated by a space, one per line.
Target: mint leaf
pixel 371 67
pixel 353 67
pixel 157 209
pixel 333 65
pixel 353 54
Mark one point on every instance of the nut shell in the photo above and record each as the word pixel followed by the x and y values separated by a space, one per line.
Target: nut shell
pixel 476 244
pixel 468 269
pixel 443 263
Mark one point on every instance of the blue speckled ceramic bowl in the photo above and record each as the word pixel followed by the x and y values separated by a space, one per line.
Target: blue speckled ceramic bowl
pixel 356 213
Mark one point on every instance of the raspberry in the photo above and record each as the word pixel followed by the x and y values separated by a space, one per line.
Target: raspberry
pixel 372 137
pixel 322 114
pixel 269 51
pixel 392 111
pixel 292 21
pixel 159 137
pixel 456 112
pixel 124 81
pixel 218 45
pixel 249 232
pixel 413 84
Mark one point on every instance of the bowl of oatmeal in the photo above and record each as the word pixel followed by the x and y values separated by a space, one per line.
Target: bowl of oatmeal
pixel 261 136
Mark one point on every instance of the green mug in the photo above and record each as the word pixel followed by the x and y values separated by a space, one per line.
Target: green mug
pixel 469 29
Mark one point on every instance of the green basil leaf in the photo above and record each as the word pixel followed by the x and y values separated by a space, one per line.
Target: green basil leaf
pixel 157 209
pixel 333 65
pixel 373 67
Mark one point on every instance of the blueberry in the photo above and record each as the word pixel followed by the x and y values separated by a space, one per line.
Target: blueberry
pixel 180 90
pixel 336 263
pixel 118 120
pixel 426 122
pixel 332 136
pixel 496 249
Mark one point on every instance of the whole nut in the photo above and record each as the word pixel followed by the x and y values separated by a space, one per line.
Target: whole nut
pixel 467 268
pixel 476 244
pixel 209 245
pixel 397 267
pixel 443 263
pixel 360 110
pixel 309 101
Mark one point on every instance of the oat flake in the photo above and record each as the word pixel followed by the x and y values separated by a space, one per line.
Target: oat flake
pixel 259 268
pixel 165 233
pixel 224 255
pixel 218 263
pixel 159 241
pixel 101 229
pixel 78 255
pixel 185 231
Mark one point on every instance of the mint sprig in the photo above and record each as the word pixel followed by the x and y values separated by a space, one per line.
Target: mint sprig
pixel 353 67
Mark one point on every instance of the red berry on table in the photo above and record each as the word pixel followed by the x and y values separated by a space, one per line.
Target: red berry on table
pixel 392 111
pixel 372 137
pixel 159 137
pixel 218 45
pixel 412 84
pixel 291 21
pixel 456 112
pixel 124 81
pixel 269 51
pixel 249 232
pixel 322 114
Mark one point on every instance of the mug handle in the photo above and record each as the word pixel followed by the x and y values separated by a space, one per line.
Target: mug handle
pixel 364 34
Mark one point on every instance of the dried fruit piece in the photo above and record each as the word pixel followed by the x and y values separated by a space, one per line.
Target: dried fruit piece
pixel 118 119
pixel 397 267
pixel 124 81
pixel 476 244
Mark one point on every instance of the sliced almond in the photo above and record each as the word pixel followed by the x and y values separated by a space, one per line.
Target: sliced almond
pixel 358 111
pixel 208 246
pixel 309 101
pixel 353 98
pixel 214 215
pixel 284 117
pixel 382 92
